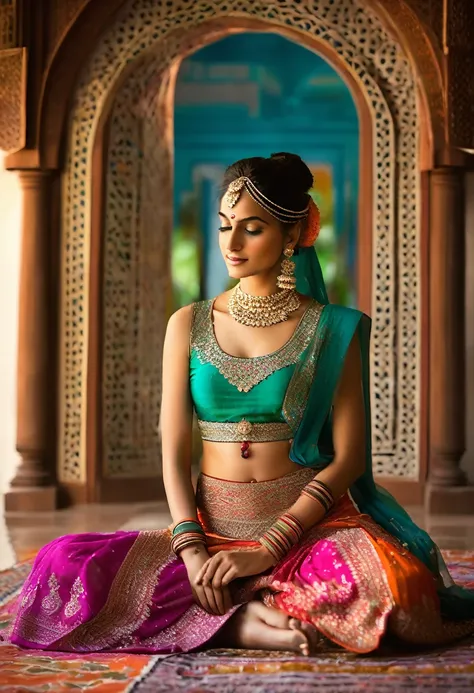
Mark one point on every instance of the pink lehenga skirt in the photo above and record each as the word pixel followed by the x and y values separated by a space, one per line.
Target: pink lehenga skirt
pixel 127 591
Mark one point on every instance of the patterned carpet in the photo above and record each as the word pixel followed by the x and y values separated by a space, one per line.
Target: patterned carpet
pixel 225 671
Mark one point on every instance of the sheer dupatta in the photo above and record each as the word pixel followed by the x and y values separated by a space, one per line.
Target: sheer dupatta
pixel 313 446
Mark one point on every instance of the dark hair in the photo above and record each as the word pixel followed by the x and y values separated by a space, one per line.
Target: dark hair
pixel 284 178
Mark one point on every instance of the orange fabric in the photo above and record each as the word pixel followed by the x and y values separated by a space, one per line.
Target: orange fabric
pixel 412 609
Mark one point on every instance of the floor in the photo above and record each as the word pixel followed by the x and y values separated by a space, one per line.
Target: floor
pixel 23 534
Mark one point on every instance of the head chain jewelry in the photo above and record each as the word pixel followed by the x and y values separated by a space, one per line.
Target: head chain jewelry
pixel 287 216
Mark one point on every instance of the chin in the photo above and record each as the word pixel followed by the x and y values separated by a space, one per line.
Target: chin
pixel 238 272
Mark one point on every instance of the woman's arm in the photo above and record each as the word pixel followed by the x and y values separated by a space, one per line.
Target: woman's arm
pixel 176 417
pixel 348 438
pixel 176 437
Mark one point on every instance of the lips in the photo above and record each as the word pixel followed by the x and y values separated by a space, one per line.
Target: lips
pixel 235 260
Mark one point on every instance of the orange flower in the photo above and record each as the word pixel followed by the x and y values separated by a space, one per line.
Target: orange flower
pixel 313 227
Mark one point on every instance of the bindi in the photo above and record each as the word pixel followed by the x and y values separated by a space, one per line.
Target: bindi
pixel 232 216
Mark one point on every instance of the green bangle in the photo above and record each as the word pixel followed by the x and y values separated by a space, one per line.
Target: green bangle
pixel 187 526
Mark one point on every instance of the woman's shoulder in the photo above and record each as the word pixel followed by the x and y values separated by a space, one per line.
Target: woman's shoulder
pixel 179 322
pixel 344 314
pixel 185 313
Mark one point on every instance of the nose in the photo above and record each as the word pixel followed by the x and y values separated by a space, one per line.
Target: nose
pixel 234 241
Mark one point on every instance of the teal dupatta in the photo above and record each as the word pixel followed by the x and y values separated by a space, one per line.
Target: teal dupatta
pixel 312 444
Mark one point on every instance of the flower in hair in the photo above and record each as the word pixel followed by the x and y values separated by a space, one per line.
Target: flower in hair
pixel 313 226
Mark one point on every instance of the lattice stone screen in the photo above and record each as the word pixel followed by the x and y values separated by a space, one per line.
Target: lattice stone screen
pixel 131 386
pixel 8 13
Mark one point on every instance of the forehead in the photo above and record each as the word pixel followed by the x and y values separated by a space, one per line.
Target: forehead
pixel 245 207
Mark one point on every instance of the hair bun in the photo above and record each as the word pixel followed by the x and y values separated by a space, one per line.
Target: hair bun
pixel 296 169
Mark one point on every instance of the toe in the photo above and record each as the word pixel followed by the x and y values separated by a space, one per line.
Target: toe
pixel 312 636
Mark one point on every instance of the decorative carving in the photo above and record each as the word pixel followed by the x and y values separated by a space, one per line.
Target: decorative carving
pixel 386 78
pixel 136 274
pixel 460 68
pixel 410 15
pixel 459 18
pixel 460 85
pixel 7 24
pixel 12 99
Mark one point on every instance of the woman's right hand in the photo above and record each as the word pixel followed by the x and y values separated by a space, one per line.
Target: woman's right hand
pixel 214 600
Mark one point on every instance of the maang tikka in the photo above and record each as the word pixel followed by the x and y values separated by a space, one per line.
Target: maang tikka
pixel 287 280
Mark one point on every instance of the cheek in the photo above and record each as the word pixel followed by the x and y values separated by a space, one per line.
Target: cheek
pixel 267 248
pixel 221 240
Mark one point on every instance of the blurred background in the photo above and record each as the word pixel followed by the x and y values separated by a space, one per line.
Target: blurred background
pixel 252 94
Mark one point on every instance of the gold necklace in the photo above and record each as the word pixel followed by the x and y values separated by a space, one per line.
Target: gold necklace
pixel 262 311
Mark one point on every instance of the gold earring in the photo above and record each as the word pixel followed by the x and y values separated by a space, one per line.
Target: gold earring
pixel 287 280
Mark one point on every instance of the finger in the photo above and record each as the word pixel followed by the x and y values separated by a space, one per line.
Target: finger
pixel 211 599
pixel 208 576
pixel 219 597
pixel 219 574
pixel 201 572
pixel 230 575
pixel 201 599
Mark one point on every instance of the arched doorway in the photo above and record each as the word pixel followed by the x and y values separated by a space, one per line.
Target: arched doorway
pixel 390 55
pixel 251 94
pixel 383 85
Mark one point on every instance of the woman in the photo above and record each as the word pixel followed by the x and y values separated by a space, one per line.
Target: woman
pixel 287 537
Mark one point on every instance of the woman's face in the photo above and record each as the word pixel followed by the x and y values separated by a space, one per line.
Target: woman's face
pixel 249 234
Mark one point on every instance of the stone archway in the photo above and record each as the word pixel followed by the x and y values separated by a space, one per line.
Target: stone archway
pixel 354 36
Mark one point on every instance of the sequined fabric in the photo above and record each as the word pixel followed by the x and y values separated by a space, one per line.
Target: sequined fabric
pixel 127 605
pixel 339 586
pixel 245 511
pixel 228 432
pixel 296 396
pixel 125 591
pixel 245 373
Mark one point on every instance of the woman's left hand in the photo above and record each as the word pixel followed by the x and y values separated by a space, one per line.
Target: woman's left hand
pixel 226 566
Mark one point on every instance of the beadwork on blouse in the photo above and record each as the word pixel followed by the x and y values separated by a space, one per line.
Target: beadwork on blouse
pixel 245 373
pixel 228 432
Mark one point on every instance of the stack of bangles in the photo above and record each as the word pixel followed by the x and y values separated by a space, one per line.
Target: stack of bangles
pixel 186 533
pixel 287 531
pixel 282 536
pixel 319 491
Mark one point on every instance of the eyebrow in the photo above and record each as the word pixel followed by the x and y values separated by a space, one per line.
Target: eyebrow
pixel 221 214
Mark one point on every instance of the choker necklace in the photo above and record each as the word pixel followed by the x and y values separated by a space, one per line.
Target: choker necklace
pixel 262 311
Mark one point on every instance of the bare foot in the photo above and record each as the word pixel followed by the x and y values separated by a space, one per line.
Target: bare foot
pixel 259 627
pixel 311 634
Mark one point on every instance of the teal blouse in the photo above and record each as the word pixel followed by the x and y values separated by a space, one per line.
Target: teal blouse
pixel 228 388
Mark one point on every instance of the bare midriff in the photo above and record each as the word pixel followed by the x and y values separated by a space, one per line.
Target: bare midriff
pixel 266 461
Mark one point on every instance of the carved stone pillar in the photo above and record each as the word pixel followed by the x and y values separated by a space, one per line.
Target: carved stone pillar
pixel 447 491
pixel 33 488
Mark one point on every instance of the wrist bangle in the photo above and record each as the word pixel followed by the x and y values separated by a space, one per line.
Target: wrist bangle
pixel 181 541
pixel 187 526
pixel 282 536
pixel 320 492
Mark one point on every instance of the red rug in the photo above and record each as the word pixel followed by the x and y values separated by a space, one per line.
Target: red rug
pixel 225 671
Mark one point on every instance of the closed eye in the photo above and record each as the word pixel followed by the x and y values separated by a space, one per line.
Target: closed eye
pixel 250 232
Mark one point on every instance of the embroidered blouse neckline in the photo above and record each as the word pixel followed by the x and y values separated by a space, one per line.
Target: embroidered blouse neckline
pixel 246 372
pixel 271 354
